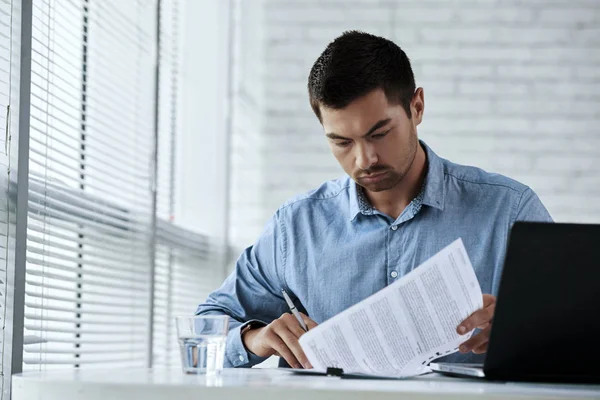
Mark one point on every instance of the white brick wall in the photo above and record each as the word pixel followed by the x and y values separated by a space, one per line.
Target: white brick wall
pixel 510 86
pixel 246 202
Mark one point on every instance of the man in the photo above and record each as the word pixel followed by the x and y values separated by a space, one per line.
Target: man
pixel 399 205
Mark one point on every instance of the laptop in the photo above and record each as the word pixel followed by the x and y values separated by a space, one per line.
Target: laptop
pixel 546 324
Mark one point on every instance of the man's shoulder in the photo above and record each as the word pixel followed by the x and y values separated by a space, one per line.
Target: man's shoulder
pixel 470 177
pixel 467 185
pixel 331 192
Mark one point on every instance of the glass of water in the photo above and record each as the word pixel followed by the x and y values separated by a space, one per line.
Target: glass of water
pixel 202 341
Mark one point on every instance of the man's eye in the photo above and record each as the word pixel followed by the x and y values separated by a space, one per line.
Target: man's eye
pixel 379 135
pixel 343 144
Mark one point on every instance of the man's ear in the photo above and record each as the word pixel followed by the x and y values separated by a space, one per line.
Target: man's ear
pixel 417 106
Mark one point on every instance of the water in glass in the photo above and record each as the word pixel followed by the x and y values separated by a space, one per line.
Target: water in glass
pixel 202 354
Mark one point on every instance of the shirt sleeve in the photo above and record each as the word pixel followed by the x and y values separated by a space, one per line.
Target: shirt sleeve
pixel 530 208
pixel 251 292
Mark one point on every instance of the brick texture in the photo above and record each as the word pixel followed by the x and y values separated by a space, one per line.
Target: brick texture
pixel 510 86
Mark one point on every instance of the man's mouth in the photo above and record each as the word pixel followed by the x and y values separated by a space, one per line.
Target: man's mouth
pixel 372 178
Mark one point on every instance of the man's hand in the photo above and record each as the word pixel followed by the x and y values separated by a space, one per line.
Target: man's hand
pixel 280 338
pixel 481 319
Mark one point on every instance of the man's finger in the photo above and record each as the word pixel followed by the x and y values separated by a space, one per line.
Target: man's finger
pixel 309 322
pixel 291 341
pixel 281 348
pixel 296 329
pixel 481 349
pixel 484 326
pixel 478 318
pixel 475 341
pixel 488 300
pixel 290 321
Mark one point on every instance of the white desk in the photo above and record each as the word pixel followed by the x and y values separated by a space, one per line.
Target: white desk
pixel 254 384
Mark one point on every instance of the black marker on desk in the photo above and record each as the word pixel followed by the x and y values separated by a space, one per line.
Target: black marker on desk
pixel 294 310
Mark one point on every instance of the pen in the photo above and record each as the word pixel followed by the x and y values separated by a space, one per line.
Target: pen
pixel 294 310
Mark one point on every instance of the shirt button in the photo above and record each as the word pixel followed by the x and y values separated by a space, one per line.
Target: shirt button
pixel 394 274
pixel 241 357
pixel 394 227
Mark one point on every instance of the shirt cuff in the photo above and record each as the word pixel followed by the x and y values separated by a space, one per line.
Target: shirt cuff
pixel 236 353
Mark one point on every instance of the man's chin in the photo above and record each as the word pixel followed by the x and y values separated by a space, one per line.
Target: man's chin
pixel 377 187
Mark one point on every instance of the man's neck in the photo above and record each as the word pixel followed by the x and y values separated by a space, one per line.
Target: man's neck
pixel 392 202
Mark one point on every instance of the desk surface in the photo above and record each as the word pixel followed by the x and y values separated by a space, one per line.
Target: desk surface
pixel 277 384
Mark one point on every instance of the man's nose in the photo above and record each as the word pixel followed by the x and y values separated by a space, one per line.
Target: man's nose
pixel 366 157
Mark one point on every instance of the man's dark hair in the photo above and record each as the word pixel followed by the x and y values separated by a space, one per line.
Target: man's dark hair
pixel 356 63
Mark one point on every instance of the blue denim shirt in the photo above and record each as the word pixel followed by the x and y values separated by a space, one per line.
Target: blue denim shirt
pixel 330 249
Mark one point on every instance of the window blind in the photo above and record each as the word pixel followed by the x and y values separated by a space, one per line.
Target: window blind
pixel 187 263
pixel 90 183
pixel 6 42
pixel 103 258
pixel 169 43
pixel 187 270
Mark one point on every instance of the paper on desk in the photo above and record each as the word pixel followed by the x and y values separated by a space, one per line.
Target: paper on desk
pixel 400 329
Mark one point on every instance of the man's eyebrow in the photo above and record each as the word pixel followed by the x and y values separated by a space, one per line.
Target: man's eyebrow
pixel 379 124
pixel 335 136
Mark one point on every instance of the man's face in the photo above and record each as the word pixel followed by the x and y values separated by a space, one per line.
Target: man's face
pixel 375 142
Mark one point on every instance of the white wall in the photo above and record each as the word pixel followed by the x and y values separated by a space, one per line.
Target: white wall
pixel 202 160
pixel 511 86
pixel 246 211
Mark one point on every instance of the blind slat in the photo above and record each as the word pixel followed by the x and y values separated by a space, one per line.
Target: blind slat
pixel 88 275
pixel 124 267
pixel 80 208
pixel 40 41
pixel 108 230
pixel 199 251
pixel 119 313
pixel 83 350
pixel 61 6
pixel 45 360
pixel 95 153
pixel 120 109
pixel 104 242
pixel 116 29
pixel 56 329
pixel 74 300
pixel 83 321
pixel 83 200
pixel 80 215
pixel 115 140
pixel 54 56
pixel 86 289
pixel 54 339
pixel 115 48
pixel 121 191
pixel 98 113
pixel 109 253
pixel 105 177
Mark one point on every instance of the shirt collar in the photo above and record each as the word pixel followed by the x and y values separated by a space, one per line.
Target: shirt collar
pixel 433 192
pixel 355 194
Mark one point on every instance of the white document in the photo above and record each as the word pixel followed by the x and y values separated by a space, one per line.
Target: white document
pixel 400 329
